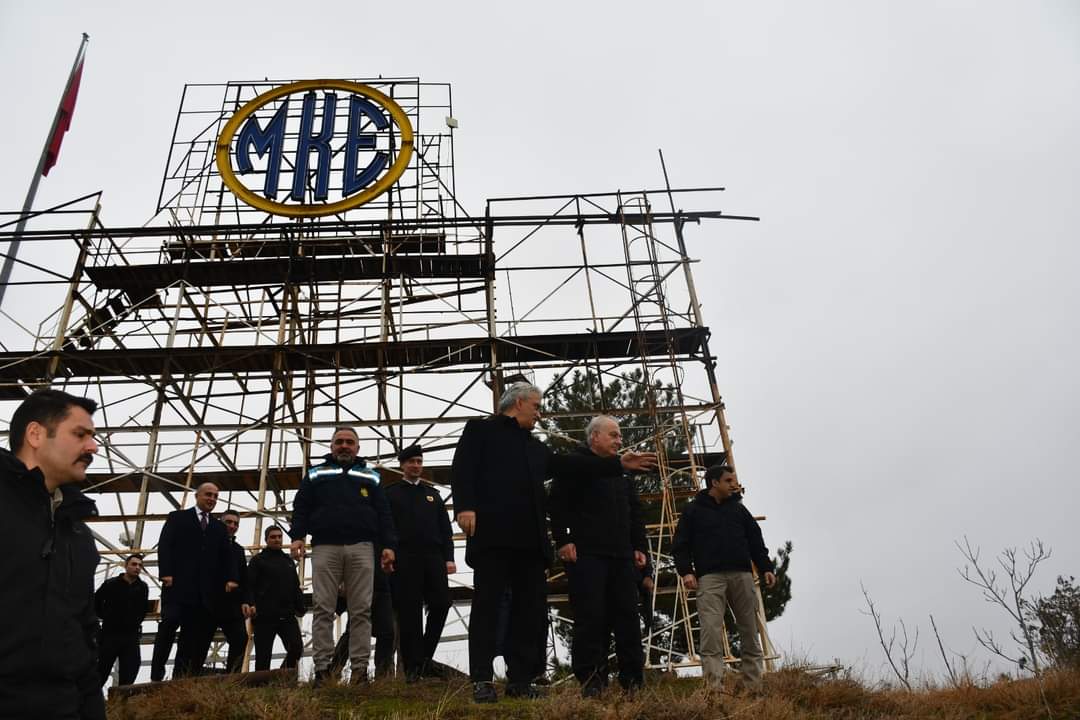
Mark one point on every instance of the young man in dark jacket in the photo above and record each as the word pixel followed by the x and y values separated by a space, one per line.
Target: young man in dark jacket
pixel 275 601
pixel 424 560
pixel 229 610
pixel 48 648
pixel 715 543
pixel 499 471
pixel 600 536
pixel 121 604
pixel 342 506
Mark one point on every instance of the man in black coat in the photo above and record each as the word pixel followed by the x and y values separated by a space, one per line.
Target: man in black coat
pixel 48 648
pixel 195 562
pixel 716 546
pixel 121 602
pixel 275 601
pixel 342 506
pixel 499 471
pixel 600 536
pixel 424 560
pixel 229 609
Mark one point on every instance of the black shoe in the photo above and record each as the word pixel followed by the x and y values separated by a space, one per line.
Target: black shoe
pixel 528 691
pixel 321 678
pixel 432 669
pixel 412 676
pixel 592 689
pixel 359 679
pixel 484 692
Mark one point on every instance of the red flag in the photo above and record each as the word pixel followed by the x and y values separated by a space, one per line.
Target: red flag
pixel 67 108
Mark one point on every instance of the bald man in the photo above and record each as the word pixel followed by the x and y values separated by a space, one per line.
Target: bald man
pixel 195 562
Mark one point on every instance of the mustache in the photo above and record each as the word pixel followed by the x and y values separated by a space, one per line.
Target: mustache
pixel 86 458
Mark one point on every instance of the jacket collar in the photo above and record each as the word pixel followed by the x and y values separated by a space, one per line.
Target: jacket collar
pixel 75 504
pixel 703 497
pixel 509 422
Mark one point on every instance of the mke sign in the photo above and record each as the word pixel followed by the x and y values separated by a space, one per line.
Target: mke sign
pixel 324 138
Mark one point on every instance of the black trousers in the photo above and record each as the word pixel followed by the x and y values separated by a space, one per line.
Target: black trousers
pixel 419 580
pixel 266 629
pixel 164 639
pixel 522 571
pixel 603 595
pixel 123 647
pixel 197 625
pixel 235 631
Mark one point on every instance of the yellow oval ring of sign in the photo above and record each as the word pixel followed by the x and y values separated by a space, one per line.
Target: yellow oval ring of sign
pixel 369 193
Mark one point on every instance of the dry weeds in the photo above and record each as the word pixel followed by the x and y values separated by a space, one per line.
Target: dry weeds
pixel 791 694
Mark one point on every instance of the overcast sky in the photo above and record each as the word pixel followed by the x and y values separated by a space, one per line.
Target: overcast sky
pixel 897 337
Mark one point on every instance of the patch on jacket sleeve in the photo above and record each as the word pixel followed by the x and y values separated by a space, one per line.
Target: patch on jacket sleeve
pixel 363 492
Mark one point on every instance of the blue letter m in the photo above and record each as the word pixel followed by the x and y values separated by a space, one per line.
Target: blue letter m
pixel 272 139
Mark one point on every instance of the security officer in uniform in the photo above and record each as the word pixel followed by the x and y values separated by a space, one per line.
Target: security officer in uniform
pixel 425 558
pixel 342 506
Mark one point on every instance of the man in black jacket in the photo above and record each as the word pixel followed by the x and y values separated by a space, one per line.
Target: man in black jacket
pixel 424 560
pixel 600 536
pixel 195 562
pixel 715 543
pixel 275 601
pixel 229 610
pixel 48 649
pixel 121 603
pixel 499 471
pixel 342 506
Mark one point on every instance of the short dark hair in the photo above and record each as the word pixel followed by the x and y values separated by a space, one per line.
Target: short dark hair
pixel 230 511
pixel 129 557
pixel 345 428
pixel 716 472
pixel 268 530
pixel 46 407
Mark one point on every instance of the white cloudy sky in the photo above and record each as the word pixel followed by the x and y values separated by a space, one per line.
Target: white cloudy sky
pixel 898 337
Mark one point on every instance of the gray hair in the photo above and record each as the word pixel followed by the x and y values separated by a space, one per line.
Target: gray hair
pixel 515 392
pixel 594 425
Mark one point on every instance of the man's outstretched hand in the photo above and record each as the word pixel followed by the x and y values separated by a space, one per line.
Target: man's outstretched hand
pixel 637 461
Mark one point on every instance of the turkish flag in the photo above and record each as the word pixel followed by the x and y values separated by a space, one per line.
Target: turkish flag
pixel 67 108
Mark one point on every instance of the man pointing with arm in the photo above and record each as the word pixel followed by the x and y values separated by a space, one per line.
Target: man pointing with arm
pixel 499 471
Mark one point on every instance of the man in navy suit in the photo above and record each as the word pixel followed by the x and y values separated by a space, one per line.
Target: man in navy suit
pixel 195 560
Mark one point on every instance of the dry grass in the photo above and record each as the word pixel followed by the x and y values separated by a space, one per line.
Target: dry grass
pixel 787 695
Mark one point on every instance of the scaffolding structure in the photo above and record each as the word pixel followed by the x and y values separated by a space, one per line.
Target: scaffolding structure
pixel 225 344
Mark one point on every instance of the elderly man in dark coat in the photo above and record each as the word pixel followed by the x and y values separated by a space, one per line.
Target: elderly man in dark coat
pixel 499 471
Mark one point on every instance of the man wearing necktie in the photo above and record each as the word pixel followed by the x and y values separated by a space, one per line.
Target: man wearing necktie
pixel 195 560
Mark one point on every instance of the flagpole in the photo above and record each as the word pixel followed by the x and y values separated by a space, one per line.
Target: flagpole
pixel 13 249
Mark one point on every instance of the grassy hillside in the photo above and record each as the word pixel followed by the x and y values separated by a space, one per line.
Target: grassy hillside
pixel 789 694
